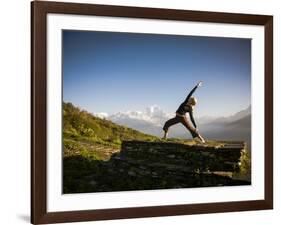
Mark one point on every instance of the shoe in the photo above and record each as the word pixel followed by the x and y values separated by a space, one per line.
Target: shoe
pixel 201 139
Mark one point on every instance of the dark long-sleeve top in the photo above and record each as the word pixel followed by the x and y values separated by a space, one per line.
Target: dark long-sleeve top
pixel 185 107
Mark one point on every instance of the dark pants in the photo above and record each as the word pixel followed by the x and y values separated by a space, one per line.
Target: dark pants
pixel 183 120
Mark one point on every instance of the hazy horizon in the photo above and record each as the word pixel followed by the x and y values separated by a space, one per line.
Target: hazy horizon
pixel 170 113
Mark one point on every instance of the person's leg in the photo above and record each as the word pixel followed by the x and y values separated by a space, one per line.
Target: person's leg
pixel 191 129
pixel 169 123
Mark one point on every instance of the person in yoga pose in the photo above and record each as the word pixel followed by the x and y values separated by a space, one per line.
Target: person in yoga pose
pixel 187 106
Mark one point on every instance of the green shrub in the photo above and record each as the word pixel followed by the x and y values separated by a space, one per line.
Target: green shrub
pixel 245 167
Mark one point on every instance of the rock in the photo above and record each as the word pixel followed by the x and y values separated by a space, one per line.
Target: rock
pixel 132 173
pixel 93 183
pixel 154 174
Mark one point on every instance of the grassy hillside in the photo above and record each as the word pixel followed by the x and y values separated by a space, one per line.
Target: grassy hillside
pixel 79 123
pixel 84 133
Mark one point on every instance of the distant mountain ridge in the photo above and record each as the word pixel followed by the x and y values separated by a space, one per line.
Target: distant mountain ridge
pixel 237 116
pixel 151 121
pixel 236 127
pixel 154 115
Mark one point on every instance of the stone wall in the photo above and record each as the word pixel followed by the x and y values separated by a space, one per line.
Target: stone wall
pixel 181 157
pixel 163 165
pixel 155 165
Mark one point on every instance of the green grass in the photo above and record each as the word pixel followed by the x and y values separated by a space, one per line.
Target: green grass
pixel 92 137
pixel 81 125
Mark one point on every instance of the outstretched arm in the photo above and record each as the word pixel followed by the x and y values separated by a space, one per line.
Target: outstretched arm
pixel 192 118
pixel 192 91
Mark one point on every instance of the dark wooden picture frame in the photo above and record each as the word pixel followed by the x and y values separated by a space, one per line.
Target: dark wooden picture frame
pixel 40 9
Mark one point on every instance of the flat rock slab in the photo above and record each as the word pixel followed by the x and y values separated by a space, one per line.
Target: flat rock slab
pixel 194 158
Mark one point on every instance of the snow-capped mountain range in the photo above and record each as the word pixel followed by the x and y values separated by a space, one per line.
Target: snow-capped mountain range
pixel 153 114
pixel 152 119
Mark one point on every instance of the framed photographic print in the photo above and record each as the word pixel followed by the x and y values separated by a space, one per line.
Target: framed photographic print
pixel 143 112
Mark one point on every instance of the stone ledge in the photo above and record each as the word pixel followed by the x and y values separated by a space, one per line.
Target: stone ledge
pixel 192 158
pixel 151 166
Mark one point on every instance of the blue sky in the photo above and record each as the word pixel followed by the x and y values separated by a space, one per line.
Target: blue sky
pixel 111 72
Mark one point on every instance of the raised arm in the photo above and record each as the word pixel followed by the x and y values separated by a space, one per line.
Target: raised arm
pixel 192 91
